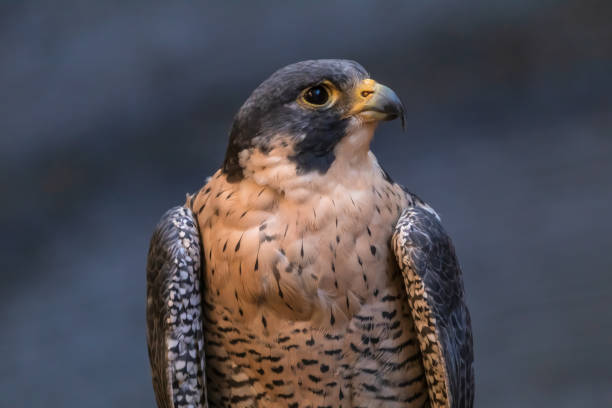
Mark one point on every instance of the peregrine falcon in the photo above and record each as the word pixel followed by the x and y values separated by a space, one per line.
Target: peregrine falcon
pixel 300 274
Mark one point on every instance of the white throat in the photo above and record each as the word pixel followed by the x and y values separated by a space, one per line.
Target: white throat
pixel 353 165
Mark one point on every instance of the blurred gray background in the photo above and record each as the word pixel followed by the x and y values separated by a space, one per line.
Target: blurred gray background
pixel 111 111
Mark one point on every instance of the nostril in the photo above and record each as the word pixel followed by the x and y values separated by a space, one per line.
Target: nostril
pixel 365 94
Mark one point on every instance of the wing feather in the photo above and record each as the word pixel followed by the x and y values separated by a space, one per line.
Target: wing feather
pixel 434 284
pixel 174 316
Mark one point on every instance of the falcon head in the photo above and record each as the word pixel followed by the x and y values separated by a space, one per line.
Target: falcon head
pixel 304 118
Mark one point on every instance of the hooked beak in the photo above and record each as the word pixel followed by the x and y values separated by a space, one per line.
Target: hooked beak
pixel 375 102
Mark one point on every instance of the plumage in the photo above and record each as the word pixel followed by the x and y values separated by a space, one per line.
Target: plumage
pixel 435 294
pixel 323 282
pixel 174 314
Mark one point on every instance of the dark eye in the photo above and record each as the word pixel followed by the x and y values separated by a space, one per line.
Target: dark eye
pixel 317 95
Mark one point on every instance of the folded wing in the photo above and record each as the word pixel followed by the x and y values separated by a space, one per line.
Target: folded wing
pixel 434 284
pixel 174 315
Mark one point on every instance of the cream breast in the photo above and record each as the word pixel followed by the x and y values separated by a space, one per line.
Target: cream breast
pixel 298 246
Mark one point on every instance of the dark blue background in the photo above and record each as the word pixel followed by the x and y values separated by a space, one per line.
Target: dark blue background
pixel 110 112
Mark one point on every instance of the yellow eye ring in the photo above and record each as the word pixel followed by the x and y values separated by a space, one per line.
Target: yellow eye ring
pixel 319 96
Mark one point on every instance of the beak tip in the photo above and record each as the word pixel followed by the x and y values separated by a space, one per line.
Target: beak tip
pixel 396 106
pixel 385 103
